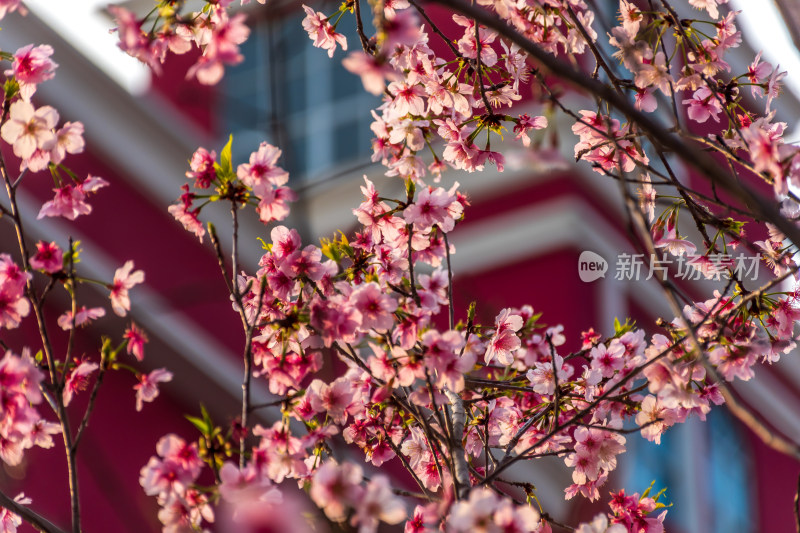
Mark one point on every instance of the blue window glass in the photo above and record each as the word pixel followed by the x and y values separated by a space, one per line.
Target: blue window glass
pixel 292 95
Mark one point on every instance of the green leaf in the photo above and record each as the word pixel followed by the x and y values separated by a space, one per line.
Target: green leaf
pixel 206 416
pixel 225 157
pixel 648 489
pixel 411 189
pixel 11 88
pixel 329 249
pixel 199 424
pixel 620 329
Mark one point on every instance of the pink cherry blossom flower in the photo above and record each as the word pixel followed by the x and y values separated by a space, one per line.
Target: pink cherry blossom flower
pixel 136 341
pixel 379 504
pixel 708 5
pixel 403 30
pixel 469 46
pixel 655 74
pixel 332 399
pixel 9 522
pixel 632 51
pixel 14 306
pixel 504 340
pixel 69 139
pixel 11 275
pixel 274 204
pixel 433 207
pixel 645 100
pixel 630 15
pixel 133 40
pixel 607 360
pixel 321 31
pixel 9 6
pixel 757 73
pixel 510 517
pixel 600 525
pixel 406 99
pixel 48 257
pixel 674 244
pixel 202 168
pixel 633 513
pixel 262 170
pixel 220 46
pixel 424 520
pixel 78 380
pixel 656 417
pixel 28 128
pixel 762 141
pixel 169 475
pixel 335 488
pixel 82 317
pixel 390 7
pixel 377 309
pixel 187 216
pixel 243 487
pixel 41 434
pixel 542 378
pixel 124 280
pixel 525 124
pixel 773 86
pixel 334 320
pixel 475 514
pixel 31 66
pixel 70 200
pixel 147 388
pixel 703 104
pixel 373 72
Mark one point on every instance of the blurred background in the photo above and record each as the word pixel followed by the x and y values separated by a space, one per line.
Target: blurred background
pixel 519 244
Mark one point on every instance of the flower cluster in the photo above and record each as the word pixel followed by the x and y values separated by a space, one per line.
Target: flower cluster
pixel 213 31
pixel 55 373
pixel 21 425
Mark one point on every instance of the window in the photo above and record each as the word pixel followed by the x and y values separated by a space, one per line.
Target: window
pixel 707 470
pixel 292 95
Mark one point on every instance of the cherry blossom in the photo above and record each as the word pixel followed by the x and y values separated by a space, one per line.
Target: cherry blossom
pixel 124 280
pixel 78 379
pixel 14 306
pixel 70 200
pixel 321 31
pixel 29 128
pixel 31 66
pixel 82 317
pixel 136 341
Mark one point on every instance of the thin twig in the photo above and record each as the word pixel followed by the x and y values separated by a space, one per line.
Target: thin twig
pixel 360 29
pixel 451 314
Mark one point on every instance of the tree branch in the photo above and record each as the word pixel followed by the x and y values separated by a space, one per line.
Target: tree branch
pixel 657 134
pixel 36 520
